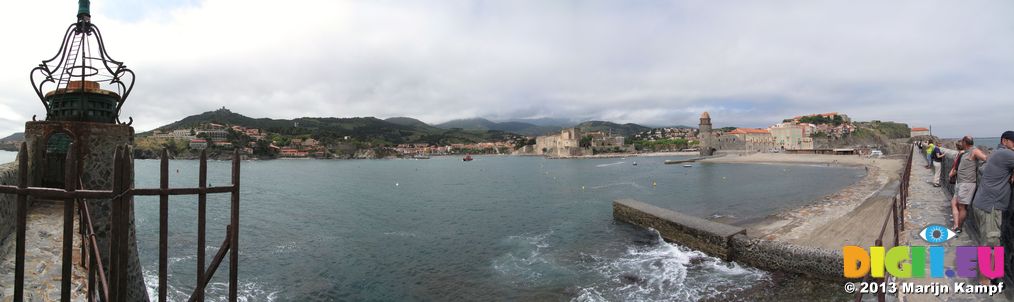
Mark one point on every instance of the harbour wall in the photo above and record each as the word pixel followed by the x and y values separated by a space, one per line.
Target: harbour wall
pixel 731 242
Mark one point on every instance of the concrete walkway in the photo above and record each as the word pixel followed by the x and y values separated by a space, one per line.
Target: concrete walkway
pixel 931 205
pixel 43 257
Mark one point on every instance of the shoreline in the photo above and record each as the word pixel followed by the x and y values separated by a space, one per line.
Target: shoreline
pixel 621 155
pixel 832 220
pixel 228 156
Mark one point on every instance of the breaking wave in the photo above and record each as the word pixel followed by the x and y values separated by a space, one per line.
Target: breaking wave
pixel 216 291
pixel 662 271
pixel 610 164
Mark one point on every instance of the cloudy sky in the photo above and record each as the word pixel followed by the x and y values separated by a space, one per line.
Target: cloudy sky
pixel 949 64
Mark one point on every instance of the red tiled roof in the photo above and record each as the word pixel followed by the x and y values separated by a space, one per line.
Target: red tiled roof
pixel 749 131
pixel 920 129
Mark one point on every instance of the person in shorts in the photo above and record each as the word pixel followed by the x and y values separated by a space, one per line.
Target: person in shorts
pixel 993 196
pixel 965 173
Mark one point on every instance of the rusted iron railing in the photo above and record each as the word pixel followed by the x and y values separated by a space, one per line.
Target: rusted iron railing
pixel 896 216
pixel 110 285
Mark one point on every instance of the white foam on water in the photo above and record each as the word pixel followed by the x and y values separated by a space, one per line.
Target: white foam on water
pixel 612 164
pixel 526 262
pixel 667 272
pixel 216 291
pixel 400 234
pixel 632 184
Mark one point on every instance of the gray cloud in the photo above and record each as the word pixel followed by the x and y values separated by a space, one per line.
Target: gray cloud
pixel 751 63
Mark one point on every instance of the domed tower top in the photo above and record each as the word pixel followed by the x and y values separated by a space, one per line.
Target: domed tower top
pixel 82 82
pixel 705 118
pixel 705 115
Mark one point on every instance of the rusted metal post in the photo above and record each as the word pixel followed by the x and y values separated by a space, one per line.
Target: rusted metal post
pixel 96 268
pixel 215 262
pixel 22 221
pixel 81 232
pixel 69 183
pixel 202 201
pixel 114 226
pixel 126 207
pixel 163 227
pixel 234 228
pixel 91 278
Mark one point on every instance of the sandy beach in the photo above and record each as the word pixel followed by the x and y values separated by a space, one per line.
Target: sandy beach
pixel 619 155
pixel 845 217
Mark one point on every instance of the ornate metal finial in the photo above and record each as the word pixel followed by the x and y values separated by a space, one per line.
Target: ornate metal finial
pixel 82 82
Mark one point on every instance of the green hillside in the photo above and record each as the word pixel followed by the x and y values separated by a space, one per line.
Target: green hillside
pixel 329 129
pixel 627 130
pixel 523 128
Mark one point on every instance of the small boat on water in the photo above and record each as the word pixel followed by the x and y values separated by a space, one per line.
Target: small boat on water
pixel 421 156
pixel 688 166
pixel 467 158
pixel 635 163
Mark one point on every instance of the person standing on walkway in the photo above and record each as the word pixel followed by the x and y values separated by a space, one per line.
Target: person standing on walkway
pixel 936 156
pixel 929 154
pixel 992 198
pixel 965 174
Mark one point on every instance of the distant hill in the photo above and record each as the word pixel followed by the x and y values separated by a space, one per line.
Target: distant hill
pixel 16 137
pixel 546 122
pixel 406 121
pixel 484 124
pixel 330 129
pixel 627 130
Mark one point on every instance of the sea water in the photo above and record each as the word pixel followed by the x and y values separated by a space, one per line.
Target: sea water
pixel 497 228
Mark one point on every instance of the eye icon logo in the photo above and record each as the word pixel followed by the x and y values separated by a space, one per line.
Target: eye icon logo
pixel 936 233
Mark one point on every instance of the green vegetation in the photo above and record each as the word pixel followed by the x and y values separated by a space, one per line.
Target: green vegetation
pixel 662 145
pixel 341 136
pixel 329 130
pixel 836 120
pixel 626 130
pixel 889 130
pixel 585 141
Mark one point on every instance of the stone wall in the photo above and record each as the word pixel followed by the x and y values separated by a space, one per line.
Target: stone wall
pixel 96 144
pixel 731 242
pixel 696 233
pixel 8 207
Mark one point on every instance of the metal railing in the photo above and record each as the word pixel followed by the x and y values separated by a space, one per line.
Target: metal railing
pixel 111 284
pixel 896 216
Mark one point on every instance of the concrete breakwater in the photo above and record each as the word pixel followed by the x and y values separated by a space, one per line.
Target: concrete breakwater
pixel 730 242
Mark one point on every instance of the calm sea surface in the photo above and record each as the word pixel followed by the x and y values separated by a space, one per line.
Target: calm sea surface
pixel 497 228
pixel 7 156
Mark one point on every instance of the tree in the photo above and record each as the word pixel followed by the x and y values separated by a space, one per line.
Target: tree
pixel 585 141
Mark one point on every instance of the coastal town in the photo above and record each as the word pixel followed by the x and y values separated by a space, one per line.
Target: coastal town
pixel 812 133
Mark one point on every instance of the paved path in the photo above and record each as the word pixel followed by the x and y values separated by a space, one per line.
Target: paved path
pixel 931 205
pixel 43 257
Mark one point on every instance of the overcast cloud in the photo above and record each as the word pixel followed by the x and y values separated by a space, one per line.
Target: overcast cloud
pixel 949 64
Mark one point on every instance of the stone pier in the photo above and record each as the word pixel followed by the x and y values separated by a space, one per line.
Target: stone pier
pixel 731 243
